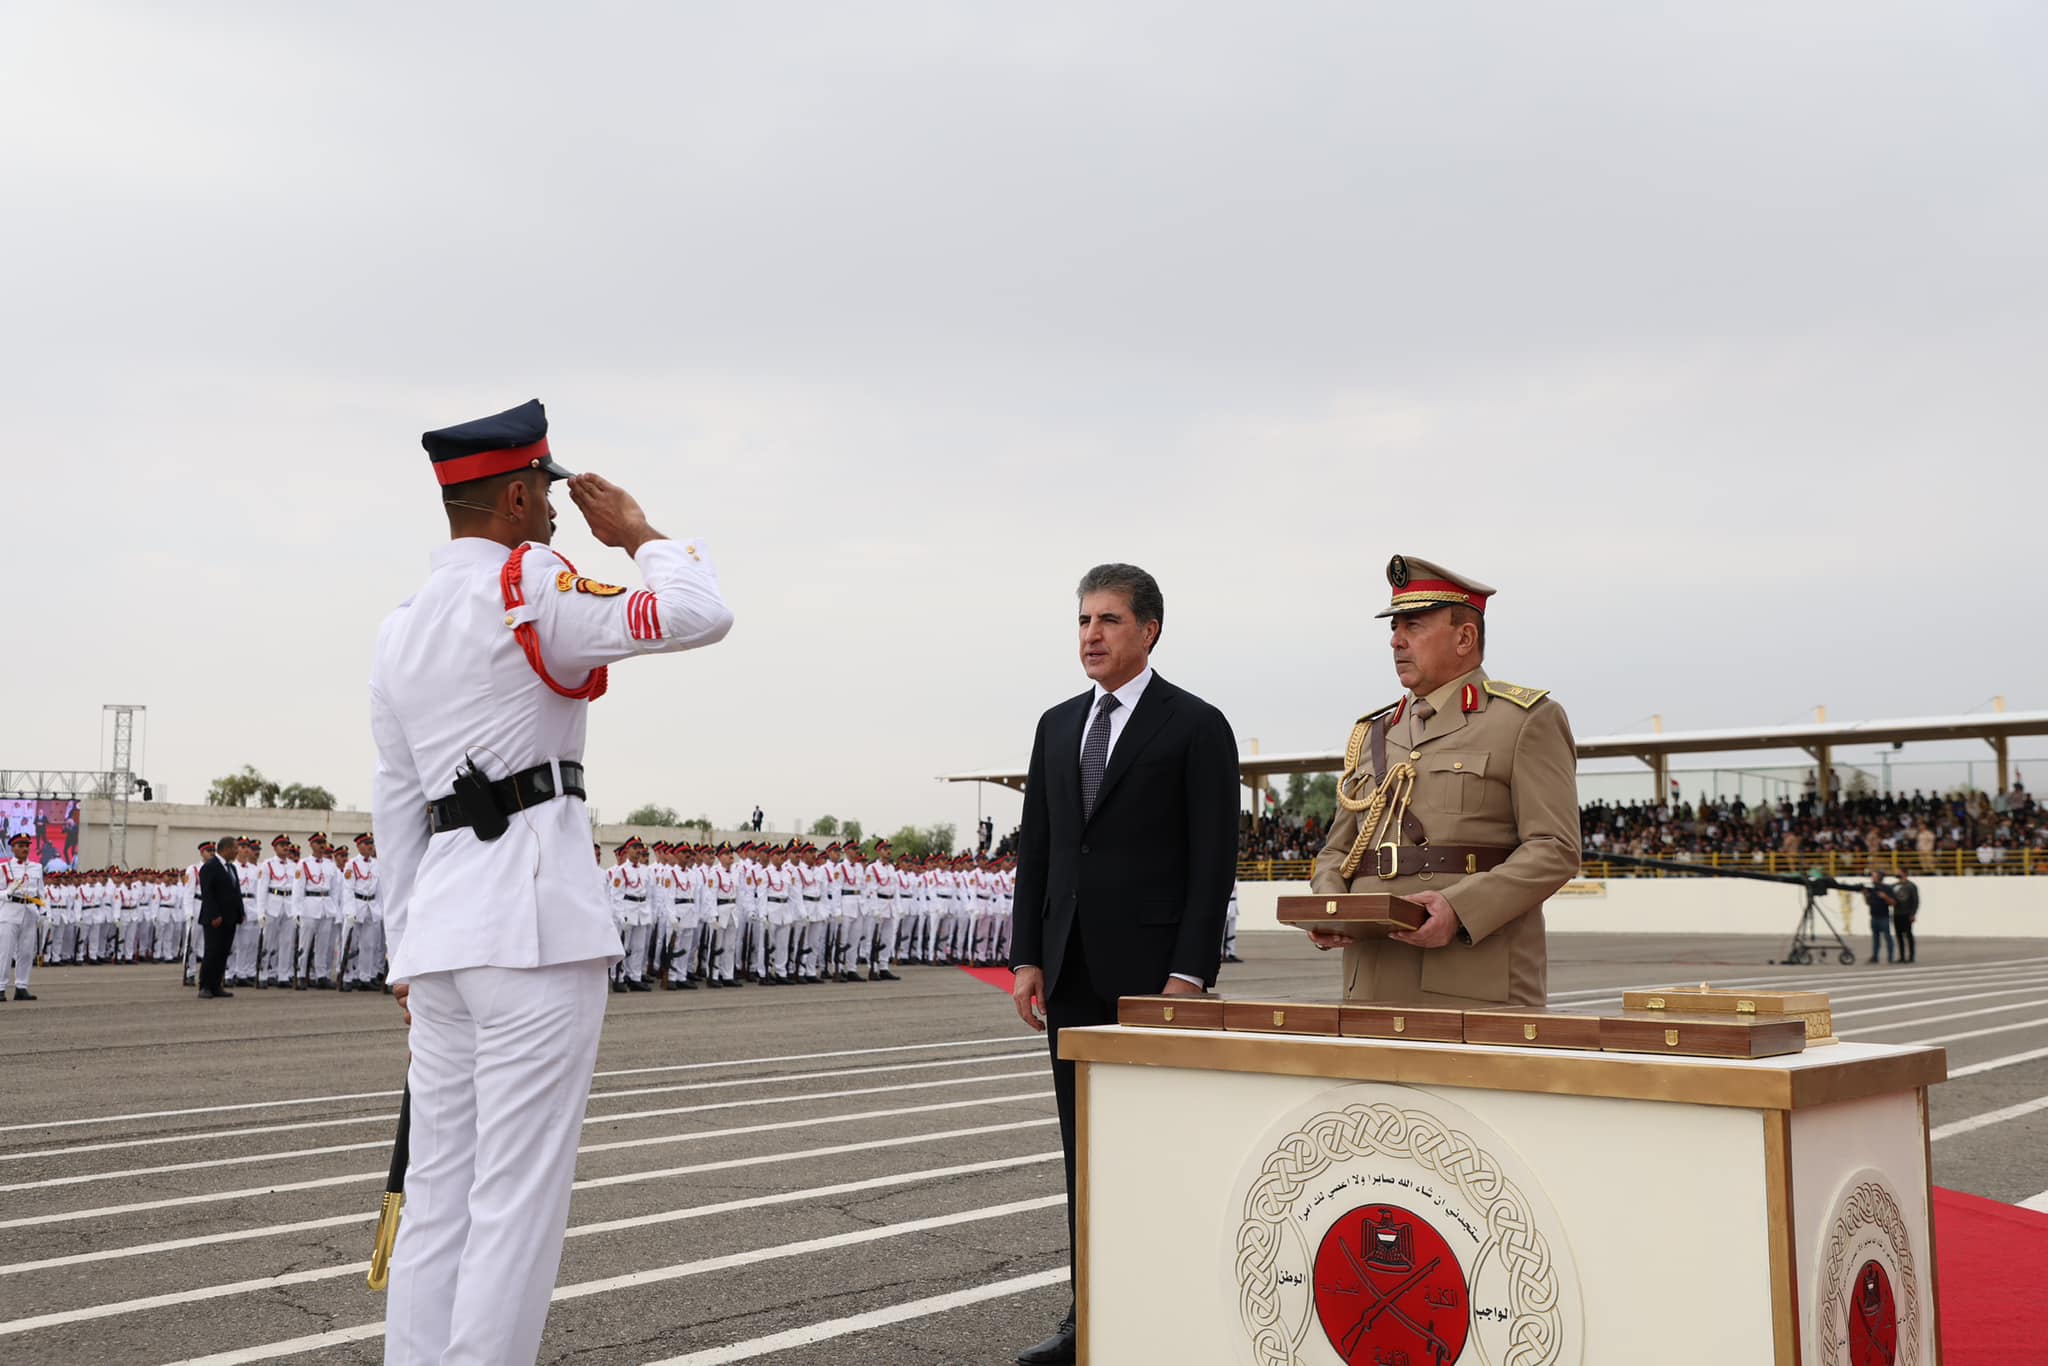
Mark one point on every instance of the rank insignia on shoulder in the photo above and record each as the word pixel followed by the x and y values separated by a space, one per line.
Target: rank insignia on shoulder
pixel 566 582
pixel 1377 712
pixel 1522 697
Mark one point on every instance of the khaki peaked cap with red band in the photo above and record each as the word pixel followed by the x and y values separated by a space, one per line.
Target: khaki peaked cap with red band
pixel 1420 586
pixel 516 439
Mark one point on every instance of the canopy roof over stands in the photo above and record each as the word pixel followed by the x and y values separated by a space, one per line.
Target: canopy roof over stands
pixel 1817 738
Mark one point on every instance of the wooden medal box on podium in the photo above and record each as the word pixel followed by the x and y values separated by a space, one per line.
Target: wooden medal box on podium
pixel 1686 1184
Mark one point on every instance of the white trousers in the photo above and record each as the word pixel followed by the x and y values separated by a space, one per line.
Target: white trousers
pixel 500 1076
pixel 20 937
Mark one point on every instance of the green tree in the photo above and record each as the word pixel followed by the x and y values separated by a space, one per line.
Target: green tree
pixel 850 830
pixel 825 825
pixel 651 814
pixel 909 842
pixel 702 823
pixel 939 838
pixel 242 789
pixel 1320 799
pixel 301 797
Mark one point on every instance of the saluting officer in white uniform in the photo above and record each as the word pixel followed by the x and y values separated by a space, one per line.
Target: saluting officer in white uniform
pixel 499 936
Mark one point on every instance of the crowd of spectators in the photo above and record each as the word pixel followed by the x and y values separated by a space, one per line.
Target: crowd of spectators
pixel 1925 831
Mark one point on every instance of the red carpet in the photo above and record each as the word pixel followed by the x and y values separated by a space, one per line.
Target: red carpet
pixel 995 977
pixel 1993 1260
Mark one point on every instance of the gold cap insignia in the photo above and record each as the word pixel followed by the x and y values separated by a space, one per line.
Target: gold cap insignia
pixel 1397 571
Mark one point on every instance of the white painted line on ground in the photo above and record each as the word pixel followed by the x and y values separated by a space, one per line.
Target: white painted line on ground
pixel 1812 980
pixel 1993 1064
pixel 180 1244
pixel 751 1103
pixel 1943 1019
pixel 213 1292
pixel 1980 1033
pixel 392 1119
pixel 1988 1118
pixel 1846 983
pixel 1841 1015
pixel 272 1350
pixel 393 1095
pixel 874 1318
pixel 286 1188
pixel 2038 1203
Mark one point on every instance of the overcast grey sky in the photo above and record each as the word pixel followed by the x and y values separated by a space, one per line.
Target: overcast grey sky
pixel 1711 334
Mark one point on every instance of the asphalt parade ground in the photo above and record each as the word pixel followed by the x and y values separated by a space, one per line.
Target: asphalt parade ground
pixel 862 1173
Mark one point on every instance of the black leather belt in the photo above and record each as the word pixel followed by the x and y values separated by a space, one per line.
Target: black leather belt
pixel 630 897
pixel 773 897
pixel 513 794
pixel 366 896
pixel 1407 860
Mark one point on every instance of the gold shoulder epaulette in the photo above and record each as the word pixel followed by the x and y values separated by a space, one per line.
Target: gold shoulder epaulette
pixel 1522 697
pixel 1377 712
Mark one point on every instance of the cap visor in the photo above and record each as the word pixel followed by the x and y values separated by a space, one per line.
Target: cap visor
pixel 553 470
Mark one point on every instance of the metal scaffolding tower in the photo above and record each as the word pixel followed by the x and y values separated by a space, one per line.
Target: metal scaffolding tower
pixel 122 778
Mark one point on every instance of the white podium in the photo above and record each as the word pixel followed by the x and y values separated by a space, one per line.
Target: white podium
pixel 1294 1200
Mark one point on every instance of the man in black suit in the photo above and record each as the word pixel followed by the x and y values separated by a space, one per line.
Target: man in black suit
pixel 1128 847
pixel 220 911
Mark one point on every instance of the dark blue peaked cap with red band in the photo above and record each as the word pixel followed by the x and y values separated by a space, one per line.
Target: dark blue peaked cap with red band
pixel 516 439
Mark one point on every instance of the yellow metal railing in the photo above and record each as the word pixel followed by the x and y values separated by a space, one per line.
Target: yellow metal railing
pixel 1845 864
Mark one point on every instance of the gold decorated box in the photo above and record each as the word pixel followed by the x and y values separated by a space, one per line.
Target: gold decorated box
pixel 1810 1006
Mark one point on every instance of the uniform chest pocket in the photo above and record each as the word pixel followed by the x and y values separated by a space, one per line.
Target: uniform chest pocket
pixel 1451 781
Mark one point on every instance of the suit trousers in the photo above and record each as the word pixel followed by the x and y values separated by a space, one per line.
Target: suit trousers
pixel 213 963
pixel 500 1076
pixel 1072 1004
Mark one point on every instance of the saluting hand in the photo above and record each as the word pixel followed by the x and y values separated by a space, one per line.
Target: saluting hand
pixel 614 515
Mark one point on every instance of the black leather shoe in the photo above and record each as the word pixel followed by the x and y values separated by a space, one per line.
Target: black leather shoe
pixel 23 994
pixel 205 995
pixel 222 995
pixel 632 985
pixel 883 975
pixel 1057 1350
pixel 687 984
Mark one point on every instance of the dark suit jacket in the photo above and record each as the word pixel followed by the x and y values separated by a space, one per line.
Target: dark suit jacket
pixel 220 894
pixel 1145 880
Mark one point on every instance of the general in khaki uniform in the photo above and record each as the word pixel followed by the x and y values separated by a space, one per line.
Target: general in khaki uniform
pixel 1469 790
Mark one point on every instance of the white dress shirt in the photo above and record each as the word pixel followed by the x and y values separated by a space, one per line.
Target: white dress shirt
pixel 451 682
pixel 1127 697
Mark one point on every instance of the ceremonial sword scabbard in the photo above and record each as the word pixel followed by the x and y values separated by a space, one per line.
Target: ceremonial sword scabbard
pixel 387 1238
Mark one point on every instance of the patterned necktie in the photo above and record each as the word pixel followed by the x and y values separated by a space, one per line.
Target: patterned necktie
pixel 1095 753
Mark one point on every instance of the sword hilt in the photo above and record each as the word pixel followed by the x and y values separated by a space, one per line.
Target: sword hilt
pixel 387 1238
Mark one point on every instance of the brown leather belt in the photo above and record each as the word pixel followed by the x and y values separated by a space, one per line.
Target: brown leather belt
pixel 1390 861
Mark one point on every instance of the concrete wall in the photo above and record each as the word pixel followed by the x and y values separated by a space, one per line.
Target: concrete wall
pixel 167 835
pixel 1982 907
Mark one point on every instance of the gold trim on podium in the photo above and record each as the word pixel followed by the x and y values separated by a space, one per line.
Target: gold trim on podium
pixel 1778 1232
pixel 1738 1084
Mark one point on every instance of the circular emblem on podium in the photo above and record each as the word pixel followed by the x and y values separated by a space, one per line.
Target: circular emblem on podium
pixel 1379 1224
pixel 1869 1293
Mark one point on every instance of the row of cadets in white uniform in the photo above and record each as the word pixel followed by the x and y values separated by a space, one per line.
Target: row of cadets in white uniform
pixel 308 921
pixel 108 916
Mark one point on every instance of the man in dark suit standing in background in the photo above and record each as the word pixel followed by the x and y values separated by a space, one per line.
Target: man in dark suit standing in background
pixel 1128 847
pixel 220 911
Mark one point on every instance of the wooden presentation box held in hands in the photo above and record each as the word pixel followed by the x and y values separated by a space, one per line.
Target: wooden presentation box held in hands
pixel 1359 914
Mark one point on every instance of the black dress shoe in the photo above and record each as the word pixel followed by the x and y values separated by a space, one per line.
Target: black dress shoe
pixel 883 975
pixel 687 984
pixel 632 985
pixel 23 994
pixel 205 994
pixel 222 995
pixel 1057 1350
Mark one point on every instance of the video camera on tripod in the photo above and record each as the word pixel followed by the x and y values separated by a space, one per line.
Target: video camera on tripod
pixel 1813 882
